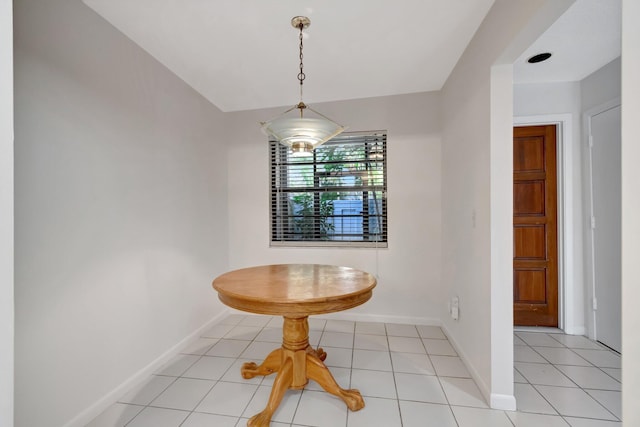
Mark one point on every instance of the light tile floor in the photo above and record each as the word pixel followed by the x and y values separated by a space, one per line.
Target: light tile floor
pixel 410 376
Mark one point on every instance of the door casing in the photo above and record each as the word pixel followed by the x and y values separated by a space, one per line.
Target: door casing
pixel 568 259
pixel 589 278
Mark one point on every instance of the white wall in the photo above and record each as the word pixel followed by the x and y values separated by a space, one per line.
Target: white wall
pixel 6 214
pixel 477 193
pixel 630 209
pixel 120 212
pixel 533 99
pixel 409 273
pixel 601 86
pixel 572 99
pixel 561 102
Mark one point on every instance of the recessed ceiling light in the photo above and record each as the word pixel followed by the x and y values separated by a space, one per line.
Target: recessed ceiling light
pixel 539 58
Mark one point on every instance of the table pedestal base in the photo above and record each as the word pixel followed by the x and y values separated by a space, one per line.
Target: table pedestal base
pixel 295 363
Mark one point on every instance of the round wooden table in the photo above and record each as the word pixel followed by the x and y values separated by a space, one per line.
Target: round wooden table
pixel 295 291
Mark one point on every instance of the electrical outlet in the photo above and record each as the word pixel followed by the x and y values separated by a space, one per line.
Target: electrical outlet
pixel 455 308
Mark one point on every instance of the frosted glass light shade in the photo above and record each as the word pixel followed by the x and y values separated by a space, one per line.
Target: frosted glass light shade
pixel 301 134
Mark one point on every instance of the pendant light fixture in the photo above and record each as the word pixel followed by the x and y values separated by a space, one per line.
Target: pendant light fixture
pixel 301 134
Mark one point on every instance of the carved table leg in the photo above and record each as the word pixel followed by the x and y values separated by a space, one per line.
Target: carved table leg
pixel 317 371
pixel 280 386
pixel 296 362
pixel 270 365
pixel 319 353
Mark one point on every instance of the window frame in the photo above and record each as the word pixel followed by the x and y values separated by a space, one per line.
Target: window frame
pixel 277 236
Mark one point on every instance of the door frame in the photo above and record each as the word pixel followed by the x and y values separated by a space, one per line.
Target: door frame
pixel 565 193
pixel 591 331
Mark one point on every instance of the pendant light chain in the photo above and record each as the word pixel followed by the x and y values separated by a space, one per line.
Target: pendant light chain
pixel 301 134
pixel 301 75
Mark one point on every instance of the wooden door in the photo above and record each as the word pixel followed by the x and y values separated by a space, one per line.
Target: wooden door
pixel 535 248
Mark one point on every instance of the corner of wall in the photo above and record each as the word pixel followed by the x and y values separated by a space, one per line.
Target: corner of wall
pixel 505 402
pixel 95 409
pixel 477 118
pixel 6 216
pixel 630 209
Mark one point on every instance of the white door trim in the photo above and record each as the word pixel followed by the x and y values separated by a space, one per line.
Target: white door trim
pixel 589 237
pixel 566 254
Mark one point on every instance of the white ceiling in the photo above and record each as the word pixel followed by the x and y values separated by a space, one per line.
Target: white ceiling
pixel 243 54
pixel 582 40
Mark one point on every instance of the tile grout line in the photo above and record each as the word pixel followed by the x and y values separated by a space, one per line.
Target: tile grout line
pixel 393 373
pixel 227 370
pixel 536 389
pixel 577 386
pixel 148 405
pixel 217 381
pixel 261 328
pixel 353 348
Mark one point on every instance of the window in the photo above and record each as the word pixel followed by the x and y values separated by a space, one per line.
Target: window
pixel 337 197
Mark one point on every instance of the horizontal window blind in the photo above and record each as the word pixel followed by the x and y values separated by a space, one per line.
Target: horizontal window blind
pixel 335 197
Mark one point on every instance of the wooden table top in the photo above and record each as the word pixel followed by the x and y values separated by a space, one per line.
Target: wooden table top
pixel 294 289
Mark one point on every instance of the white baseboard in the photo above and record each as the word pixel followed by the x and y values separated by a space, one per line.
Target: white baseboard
pixel 539 329
pixel 364 317
pixel 84 417
pixel 573 330
pixel 576 330
pixel 496 401
pixel 484 388
pixel 503 402
pixel 381 318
